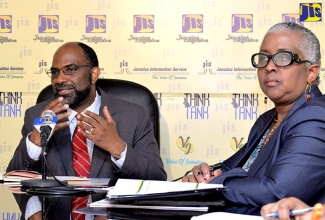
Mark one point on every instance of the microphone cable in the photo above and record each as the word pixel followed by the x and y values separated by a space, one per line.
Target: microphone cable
pixel 63 190
pixel 48 168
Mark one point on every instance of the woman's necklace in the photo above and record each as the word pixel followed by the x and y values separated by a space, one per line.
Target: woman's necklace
pixel 270 133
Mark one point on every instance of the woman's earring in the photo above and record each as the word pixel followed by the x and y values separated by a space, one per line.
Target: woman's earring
pixel 265 100
pixel 307 92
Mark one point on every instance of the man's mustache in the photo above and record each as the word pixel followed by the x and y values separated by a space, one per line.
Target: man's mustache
pixel 63 86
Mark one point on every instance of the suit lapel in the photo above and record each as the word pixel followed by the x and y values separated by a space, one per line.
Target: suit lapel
pixel 106 101
pixel 267 151
pixel 256 137
pixel 63 144
pixel 98 160
pixel 100 156
pixel 64 147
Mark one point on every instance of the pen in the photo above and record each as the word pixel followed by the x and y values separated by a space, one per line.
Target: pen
pixel 291 213
pixel 212 168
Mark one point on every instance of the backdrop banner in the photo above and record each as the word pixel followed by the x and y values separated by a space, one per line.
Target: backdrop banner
pixel 193 55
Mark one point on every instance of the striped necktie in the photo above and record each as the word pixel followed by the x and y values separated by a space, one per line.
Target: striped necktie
pixel 81 164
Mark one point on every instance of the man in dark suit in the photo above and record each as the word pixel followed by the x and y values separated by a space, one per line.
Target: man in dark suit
pixel 120 136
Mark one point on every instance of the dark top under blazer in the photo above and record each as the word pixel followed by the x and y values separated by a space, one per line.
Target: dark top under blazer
pixel 292 163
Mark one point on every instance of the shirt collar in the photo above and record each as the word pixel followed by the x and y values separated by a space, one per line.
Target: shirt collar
pixel 94 107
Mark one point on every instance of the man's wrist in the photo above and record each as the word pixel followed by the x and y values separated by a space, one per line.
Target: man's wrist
pixel 33 150
pixel 121 154
pixel 35 138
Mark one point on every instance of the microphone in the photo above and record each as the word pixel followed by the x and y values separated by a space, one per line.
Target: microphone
pixel 45 125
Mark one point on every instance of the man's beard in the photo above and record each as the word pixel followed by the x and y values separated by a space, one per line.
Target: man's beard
pixel 74 99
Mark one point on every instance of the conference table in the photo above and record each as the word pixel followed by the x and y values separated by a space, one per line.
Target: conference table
pixel 9 209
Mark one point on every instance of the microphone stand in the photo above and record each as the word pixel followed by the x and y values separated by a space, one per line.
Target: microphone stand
pixel 44 182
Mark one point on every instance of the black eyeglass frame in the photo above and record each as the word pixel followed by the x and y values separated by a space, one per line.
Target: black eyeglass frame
pixel 294 58
pixel 50 74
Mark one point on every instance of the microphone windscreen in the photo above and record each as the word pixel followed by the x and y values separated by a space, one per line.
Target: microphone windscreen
pixel 48 113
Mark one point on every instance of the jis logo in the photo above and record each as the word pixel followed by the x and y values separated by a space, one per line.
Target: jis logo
pixel 5 24
pixel 143 24
pixel 95 23
pixel 48 24
pixel 242 23
pixel 310 12
pixel 192 24
pixel 294 18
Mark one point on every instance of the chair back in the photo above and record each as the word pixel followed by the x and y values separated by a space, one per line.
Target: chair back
pixel 127 90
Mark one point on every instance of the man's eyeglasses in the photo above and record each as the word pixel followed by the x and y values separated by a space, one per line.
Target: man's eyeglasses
pixel 281 59
pixel 67 70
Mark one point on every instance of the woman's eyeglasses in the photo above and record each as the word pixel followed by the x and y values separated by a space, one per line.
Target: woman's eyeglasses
pixel 281 59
